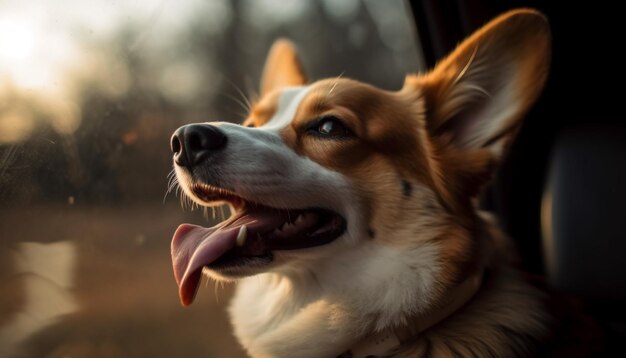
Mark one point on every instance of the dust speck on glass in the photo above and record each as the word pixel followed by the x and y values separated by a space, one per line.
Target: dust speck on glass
pixel 90 92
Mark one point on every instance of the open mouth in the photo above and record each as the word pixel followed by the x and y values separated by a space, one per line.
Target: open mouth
pixel 248 238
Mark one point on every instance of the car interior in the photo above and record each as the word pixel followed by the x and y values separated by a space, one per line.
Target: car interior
pixel 559 194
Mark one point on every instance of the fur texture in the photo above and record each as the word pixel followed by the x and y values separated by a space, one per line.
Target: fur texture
pixel 406 179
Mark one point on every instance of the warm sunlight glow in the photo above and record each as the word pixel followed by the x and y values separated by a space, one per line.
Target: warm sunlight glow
pixel 15 125
pixel 51 51
pixel 17 41
pixel 23 61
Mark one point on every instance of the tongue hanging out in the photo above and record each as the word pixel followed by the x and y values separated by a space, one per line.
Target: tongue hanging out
pixel 251 234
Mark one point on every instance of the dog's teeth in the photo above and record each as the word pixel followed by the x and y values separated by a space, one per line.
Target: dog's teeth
pixel 242 235
pixel 276 232
pixel 287 226
pixel 299 219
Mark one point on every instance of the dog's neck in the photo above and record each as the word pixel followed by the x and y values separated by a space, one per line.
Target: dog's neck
pixel 383 342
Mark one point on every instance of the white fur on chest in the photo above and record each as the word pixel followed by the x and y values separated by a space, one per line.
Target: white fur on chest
pixel 368 287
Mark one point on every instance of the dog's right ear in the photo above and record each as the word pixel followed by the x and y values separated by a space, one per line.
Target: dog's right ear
pixel 476 97
pixel 282 68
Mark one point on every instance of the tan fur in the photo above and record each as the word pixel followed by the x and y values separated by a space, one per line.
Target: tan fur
pixel 282 68
pixel 507 318
pixel 418 161
pixel 263 110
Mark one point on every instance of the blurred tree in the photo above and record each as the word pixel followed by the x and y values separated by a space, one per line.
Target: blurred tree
pixel 139 83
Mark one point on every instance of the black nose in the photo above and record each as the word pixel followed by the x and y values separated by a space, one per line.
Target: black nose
pixel 193 143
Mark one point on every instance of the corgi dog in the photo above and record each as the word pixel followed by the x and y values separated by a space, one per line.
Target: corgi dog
pixel 355 229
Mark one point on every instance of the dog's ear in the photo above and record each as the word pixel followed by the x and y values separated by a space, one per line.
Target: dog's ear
pixel 282 68
pixel 476 96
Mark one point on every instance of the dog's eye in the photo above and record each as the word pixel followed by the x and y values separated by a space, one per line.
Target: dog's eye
pixel 331 127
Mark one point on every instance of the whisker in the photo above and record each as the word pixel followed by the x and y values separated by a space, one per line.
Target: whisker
pixel 172 183
pixel 244 105
pixel 253 95
pixel 336 82
pixel 243 95
pixel 217 297
pixel 467 66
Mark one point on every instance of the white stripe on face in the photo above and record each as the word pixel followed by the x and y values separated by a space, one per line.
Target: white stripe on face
pixel 258 165
pixel 288 104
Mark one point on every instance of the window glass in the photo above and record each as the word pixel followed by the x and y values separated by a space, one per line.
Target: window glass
pixel 90 92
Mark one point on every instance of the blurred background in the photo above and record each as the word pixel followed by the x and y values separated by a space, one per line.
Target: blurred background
pixel 90 92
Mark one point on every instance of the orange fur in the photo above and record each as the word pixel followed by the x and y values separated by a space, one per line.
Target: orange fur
pixel 415 164
pixel 388 125
pixel 282 68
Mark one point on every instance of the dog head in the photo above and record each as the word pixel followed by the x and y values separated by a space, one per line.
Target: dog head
pixel 318 169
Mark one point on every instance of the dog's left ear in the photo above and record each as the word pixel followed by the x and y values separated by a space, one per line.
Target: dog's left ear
pixel 476 97
pixel 282 68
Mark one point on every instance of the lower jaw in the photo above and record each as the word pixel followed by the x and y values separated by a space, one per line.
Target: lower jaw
pixel 225 263
pixel 240 267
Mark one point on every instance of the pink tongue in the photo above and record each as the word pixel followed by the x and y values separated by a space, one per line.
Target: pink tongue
pixel 194 246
